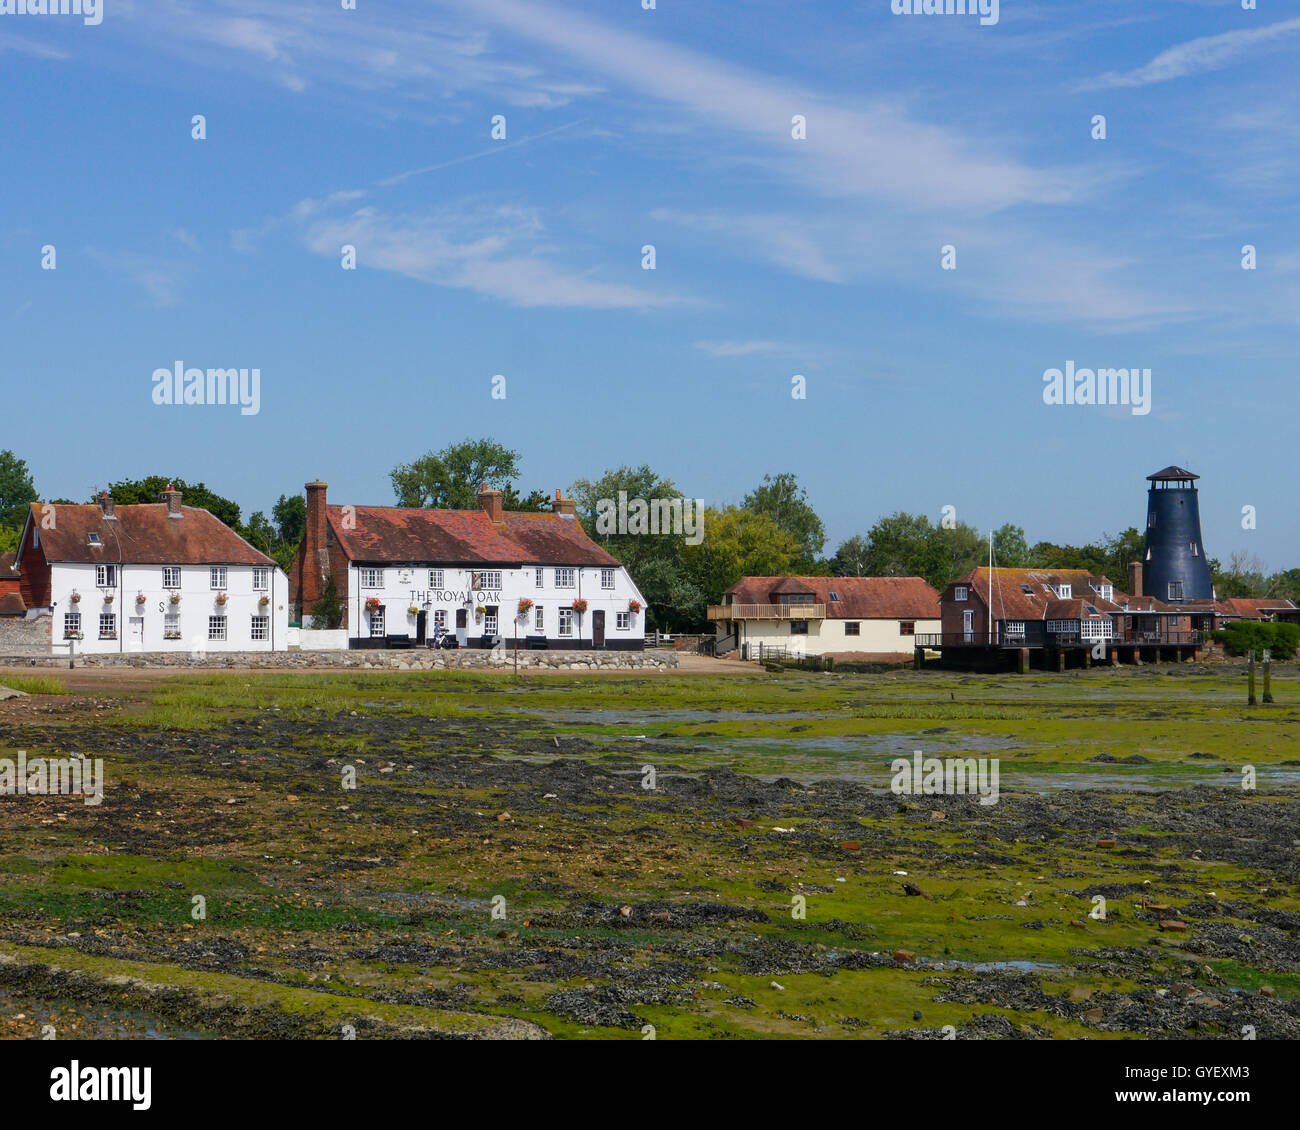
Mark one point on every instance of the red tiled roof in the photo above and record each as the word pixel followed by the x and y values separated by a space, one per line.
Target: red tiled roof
pixel 11 604
pixel 7 566
pixel 1254 607
pixel 1041 602
pixel 388 534
pixel 860 598
pixel 142 535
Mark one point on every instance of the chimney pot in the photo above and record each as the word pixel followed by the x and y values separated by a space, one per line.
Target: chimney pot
pixel 172 497
pixel 106 504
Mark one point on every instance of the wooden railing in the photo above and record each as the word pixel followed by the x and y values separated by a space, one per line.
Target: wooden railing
pixel 767 612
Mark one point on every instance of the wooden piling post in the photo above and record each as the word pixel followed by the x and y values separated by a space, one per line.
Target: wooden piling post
pixel 1250 681
pixel 1268 681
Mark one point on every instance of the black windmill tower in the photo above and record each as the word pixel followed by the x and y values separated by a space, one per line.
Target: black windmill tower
pixel 1175 569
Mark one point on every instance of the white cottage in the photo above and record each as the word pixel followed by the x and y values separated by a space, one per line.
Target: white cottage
pixel 490 577
pixel 153 577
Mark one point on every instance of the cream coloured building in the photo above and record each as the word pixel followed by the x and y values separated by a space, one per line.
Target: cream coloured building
pixel 845 617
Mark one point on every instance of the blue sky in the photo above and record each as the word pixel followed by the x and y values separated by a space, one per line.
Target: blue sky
pixel 775 256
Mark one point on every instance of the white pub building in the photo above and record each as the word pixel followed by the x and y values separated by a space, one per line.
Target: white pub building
pixel 491 578
pixel 149 578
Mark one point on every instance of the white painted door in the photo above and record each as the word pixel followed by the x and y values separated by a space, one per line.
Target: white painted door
pixel 968 625
pixel 135 633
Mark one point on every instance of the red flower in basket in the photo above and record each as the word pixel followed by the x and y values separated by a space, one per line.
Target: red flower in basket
pixel 580 605
pixel 373 604
pixel 524 605
pixel 634 606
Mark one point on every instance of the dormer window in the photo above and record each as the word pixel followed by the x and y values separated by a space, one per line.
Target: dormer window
pixel 959 593
pixel 1106 592
pixel 1065 592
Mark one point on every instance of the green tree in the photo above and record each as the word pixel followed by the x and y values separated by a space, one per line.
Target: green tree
pixel 850 559
pixel 1010 547
pixel 738 542
pixel 450 479
pixel 290 517
pixel 132 492
pixel 17 491
pixel 783 500
pixel 654 561
pixel 9 539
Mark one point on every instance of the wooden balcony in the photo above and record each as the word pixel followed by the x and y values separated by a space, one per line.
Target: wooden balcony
pixel 767 612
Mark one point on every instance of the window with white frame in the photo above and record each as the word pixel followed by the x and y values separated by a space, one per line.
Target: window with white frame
pixel 1175 590
pixel 435 578
pixel 539 578
pixel 539 617
pixel 71 624
pixel 216 627
pixel 372 578
pixel 607 578
pixel 171 577
pixel 217 577
pixel 564 578
pixel 261 578
pixel 487 579
pixel 260 628
pixel 1097 628
pixel 1106 592
pixel 105 576
pixel 1068 626
pixel 566 621
pixel 172 626
pixel 108 625
pixel 376 621
pixel 490 622
pixel 1065 592
pixel 440 620
pixel 959 593
pixel 623 621
pixel 1014 627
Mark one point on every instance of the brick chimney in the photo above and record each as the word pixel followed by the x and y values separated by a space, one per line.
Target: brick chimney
pixel 1135 578
pixel 562 506
pixel 172 497
pixel 106 504
pixel 316 558
pixel 490 503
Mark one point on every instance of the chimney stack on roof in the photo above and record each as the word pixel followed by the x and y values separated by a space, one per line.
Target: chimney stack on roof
pixel 106 504
pixel 172 497
pixel 490 501
pixel 563 506
pixel 1135 578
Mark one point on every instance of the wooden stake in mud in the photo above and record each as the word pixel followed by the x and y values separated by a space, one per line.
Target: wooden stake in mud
pixel 1250 682
pixel 1268 681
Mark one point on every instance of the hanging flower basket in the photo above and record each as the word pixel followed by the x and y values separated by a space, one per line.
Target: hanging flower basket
pixel 108 598
pixel 264 602
pixel 140 598
pixel 478 612
pixel 175 598
pixel 580 606
pixel 373 604
pixel 524 605
pixel 634 606
pixel 75 598
pixel 222 598
pixel 413 610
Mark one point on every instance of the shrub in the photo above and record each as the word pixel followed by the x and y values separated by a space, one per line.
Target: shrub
pixel 1242 636
pixel 328 612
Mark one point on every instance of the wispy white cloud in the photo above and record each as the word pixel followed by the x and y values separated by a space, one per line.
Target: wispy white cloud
pixel 499 252
pixel 24 46
pixel 1196 56
pixel 739 348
